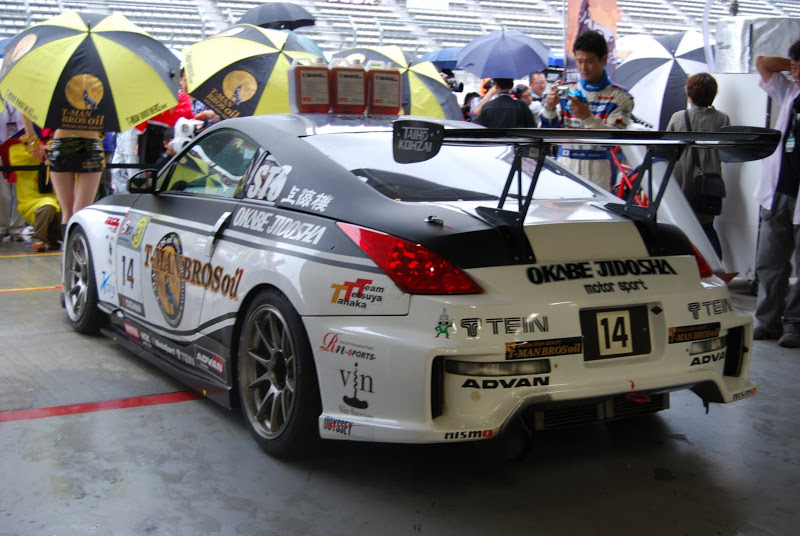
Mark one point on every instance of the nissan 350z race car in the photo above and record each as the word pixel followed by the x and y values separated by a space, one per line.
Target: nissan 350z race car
pixel 409 281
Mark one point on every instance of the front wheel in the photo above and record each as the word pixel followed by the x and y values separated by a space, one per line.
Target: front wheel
pixel 277 379
pixel 80 287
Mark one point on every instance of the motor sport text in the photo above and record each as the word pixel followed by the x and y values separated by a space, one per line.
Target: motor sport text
pixel 415 139
pixel 278 226
pixel 193 271
pixel 551 273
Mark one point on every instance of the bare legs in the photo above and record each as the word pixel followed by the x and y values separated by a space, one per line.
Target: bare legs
pixel 74 194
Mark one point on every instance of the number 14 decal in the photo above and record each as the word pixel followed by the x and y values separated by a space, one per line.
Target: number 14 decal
pixel 127 269
pixel 613 332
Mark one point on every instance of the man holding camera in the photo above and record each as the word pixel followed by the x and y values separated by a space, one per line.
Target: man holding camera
pixel 591 102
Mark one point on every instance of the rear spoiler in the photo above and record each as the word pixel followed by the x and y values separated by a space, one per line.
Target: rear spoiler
pixel 417 141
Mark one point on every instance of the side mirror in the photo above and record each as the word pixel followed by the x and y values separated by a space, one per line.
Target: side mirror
pixel 143 182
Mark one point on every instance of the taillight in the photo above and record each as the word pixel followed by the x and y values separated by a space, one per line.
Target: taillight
pixel 413 268
pixel 702 264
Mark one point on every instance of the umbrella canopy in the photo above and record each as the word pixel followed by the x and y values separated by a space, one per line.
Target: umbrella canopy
pixel 243 70
pixel 424 93
pixel 278 16
pixel 3 43
pixel 444 58
pixel 89 71
pixel 503 54
pixel 655 73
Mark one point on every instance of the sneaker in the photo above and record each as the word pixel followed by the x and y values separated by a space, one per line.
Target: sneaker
pixel 790 340
pixel 54 245
pixel 761 333
pixel 17 237
pixel 39 246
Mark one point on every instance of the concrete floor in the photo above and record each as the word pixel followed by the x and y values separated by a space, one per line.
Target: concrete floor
pixel 191 468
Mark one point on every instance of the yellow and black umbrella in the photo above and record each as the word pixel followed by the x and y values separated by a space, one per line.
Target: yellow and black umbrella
pixel 424 92
pixel 243 70
pixel 88 71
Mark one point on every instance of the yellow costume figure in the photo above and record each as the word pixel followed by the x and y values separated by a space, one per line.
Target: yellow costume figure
pixel 40 210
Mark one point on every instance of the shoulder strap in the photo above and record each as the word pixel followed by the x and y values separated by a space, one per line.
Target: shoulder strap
pixel 695 156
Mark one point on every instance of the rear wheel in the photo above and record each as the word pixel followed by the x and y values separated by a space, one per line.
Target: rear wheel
pixel 80 286
pixel 277 379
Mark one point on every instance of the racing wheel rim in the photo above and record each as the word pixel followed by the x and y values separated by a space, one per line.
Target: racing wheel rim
pixel 76 280
pixel 268 371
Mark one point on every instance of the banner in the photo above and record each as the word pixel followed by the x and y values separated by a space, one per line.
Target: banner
pixel 582 15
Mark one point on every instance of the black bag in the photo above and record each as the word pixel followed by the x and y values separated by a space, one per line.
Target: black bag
pixel 710 190
pixel 45 186
pixel 709 187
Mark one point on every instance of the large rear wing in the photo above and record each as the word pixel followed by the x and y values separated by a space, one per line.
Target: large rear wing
pixel 417 140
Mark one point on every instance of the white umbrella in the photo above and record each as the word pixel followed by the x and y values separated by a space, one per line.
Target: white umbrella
pixel 655 73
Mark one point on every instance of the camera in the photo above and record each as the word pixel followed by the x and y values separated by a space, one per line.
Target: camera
pixel 564 93
pixel 454 85
pixel 489 84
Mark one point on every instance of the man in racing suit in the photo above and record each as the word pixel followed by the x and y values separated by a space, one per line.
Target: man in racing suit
pixel 591 102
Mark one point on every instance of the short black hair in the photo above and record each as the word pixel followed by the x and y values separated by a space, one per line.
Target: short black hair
pixel 794 51
pixel 591 41
pixel 169 133
pixel 702 88
pixel 504 83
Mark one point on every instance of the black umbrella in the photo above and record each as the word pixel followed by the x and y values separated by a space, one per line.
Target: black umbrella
pixel 278 16
pixel 656 72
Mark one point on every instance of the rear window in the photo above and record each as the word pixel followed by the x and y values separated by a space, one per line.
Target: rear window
pixel 456 173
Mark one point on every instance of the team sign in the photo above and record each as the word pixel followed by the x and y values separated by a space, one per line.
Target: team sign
pixel 550 273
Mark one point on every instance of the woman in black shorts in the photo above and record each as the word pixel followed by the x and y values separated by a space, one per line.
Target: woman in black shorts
pixel 76 166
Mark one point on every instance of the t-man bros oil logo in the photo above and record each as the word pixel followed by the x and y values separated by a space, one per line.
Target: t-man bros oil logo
pixel 171 270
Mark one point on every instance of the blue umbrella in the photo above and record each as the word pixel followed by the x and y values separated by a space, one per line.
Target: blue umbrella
pixel 503 54
pixel 309 45
pixel 444 58
pixel 3 43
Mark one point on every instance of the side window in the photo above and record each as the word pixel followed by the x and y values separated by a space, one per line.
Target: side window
pixel 215 165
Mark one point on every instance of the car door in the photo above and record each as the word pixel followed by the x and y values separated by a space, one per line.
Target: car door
pixel 166 241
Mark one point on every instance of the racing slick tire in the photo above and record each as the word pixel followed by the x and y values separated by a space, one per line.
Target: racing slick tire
pixel 277 380
pixel 80 286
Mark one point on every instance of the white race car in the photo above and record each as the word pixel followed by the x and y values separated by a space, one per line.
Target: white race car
pixel 408 281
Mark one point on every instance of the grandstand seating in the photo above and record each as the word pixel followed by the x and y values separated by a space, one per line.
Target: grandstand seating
pixel 346 23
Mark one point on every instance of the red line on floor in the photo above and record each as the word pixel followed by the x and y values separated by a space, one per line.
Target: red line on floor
pixel 89 407
pixel 31 254
pixel 55 287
